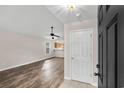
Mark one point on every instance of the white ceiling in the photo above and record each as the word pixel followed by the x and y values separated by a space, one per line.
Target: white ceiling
pixel 36 20
pixel 86 12
pixel 33 20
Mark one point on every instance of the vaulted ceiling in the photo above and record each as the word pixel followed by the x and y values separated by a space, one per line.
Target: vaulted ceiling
pixel 80 13
pixel 36 20
pixel 33 20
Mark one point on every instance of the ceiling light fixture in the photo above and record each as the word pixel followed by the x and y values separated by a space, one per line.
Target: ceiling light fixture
pixel 71 7
pixel 52 37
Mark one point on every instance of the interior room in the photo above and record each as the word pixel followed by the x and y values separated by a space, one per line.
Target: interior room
pixel 36 46
pixel 61 46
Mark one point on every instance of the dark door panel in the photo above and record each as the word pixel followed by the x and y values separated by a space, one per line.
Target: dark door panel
pixel 100 63
pixel 111 57
pixel 108 18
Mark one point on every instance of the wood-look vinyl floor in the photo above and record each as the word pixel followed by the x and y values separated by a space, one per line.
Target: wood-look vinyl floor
pixel 43 74
pixel 75 84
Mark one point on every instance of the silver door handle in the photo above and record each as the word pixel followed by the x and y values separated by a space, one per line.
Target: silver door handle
pixel 96 74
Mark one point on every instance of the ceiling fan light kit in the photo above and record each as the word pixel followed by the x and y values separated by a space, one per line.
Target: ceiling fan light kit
pixel 52 37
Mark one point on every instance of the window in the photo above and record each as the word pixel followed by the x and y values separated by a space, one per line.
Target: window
pixel 47 48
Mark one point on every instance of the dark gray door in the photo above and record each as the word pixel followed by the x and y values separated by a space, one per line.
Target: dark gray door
pixel 111 56
pixel 100 62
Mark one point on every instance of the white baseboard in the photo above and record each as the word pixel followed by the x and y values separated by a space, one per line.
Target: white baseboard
pixel 11 67
pixel 67 78
pixel 94 84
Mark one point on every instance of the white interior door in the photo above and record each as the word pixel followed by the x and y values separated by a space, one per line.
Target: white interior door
pixel 81 55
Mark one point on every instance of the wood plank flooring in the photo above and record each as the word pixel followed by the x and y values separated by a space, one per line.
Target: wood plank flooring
pixel 43 74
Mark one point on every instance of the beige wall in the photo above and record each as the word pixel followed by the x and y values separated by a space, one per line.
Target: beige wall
pixel 76 26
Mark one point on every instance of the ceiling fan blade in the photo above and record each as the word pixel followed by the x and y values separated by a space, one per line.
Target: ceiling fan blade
pixel 56 35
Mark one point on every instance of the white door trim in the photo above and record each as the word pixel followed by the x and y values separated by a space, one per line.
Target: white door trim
pixel 80 30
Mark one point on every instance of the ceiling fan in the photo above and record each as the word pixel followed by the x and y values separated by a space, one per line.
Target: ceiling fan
pixel 52 34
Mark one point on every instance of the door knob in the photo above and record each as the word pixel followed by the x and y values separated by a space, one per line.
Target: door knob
pixel 96 74
pixel 97 66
